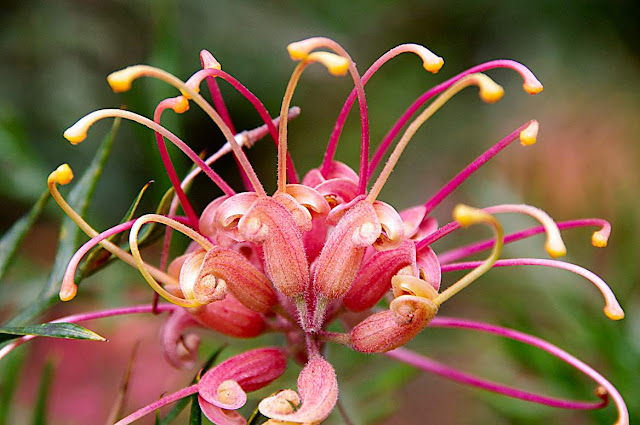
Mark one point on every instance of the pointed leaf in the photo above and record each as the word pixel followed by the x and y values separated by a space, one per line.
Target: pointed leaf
pixel 257 418
pixel 78 198
pixel 153 231
pixel 13 237
pixel 10 381
pixel 196 413
pixel 51 330
pixel 99 257
pixel 40 409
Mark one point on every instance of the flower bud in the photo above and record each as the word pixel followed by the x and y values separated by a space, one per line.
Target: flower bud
pixel 271 225
pixel 248 285
pixel 225 385
pixel 336 267
pixel 318 389
pixel 198 281
pixel 388 330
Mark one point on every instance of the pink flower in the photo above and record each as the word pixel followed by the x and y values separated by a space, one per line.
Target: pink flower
pixel 295 261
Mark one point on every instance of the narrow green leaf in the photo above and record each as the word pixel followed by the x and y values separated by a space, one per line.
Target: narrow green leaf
pixel 210 362
pixel 256 418
pixel 153 231
pixel 78 198
pixel 12 368
pixel 99 257
pixel 51 330
pixel 40 409
pixel 175 411
pixel 11 240
pixel 117 239
pixel 195 417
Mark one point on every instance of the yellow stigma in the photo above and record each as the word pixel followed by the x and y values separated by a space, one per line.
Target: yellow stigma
pixel 120 81
pixel 555 246
pixel 62 175
pixel 67 293
pixel 490 91
pixel 78 132
pixel 430 61
pixel 614 312
pixel 214 64
pixel 533 87
pixel 599 240
pixel 335 64
pixel 186 95
pixel 466 215
pixel 529 135
pixel 181 106
pixel 299 50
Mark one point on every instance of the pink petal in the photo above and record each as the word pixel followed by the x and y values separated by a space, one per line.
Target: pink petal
pixel 429 267
pixel 392 226
pixel 181 351
pixel 248 285
pixel 271 225
pixel 374 277
pixel 231 318
pixel 339 261
pixel 207 225
pixel 390 329
pixel 251 370
pixel 318 388
pixel 229 212
pixel 220 416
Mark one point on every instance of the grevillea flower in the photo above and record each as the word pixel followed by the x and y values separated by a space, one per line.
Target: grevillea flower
pixel 301 258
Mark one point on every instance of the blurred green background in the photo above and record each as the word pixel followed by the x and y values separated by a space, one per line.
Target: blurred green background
pixel 55 56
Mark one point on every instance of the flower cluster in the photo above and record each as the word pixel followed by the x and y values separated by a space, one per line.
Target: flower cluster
pixel 319 250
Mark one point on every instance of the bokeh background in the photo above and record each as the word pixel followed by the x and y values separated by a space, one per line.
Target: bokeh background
pixel 55 55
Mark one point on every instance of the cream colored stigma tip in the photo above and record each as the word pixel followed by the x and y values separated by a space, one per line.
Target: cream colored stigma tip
pixel 336 64
pixel 298 50
pixel 181 106
pixel 69 293
pixel 599 240
pixel 466 215
pixel 614 312
pixel 430 61
pixel 529 136
pixel 491 93
pixel 61 175
pixel 120 81
pixel 555 249
pixel 77 133
pixel 433 65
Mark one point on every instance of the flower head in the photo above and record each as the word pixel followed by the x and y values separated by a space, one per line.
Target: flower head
pixel 296 260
